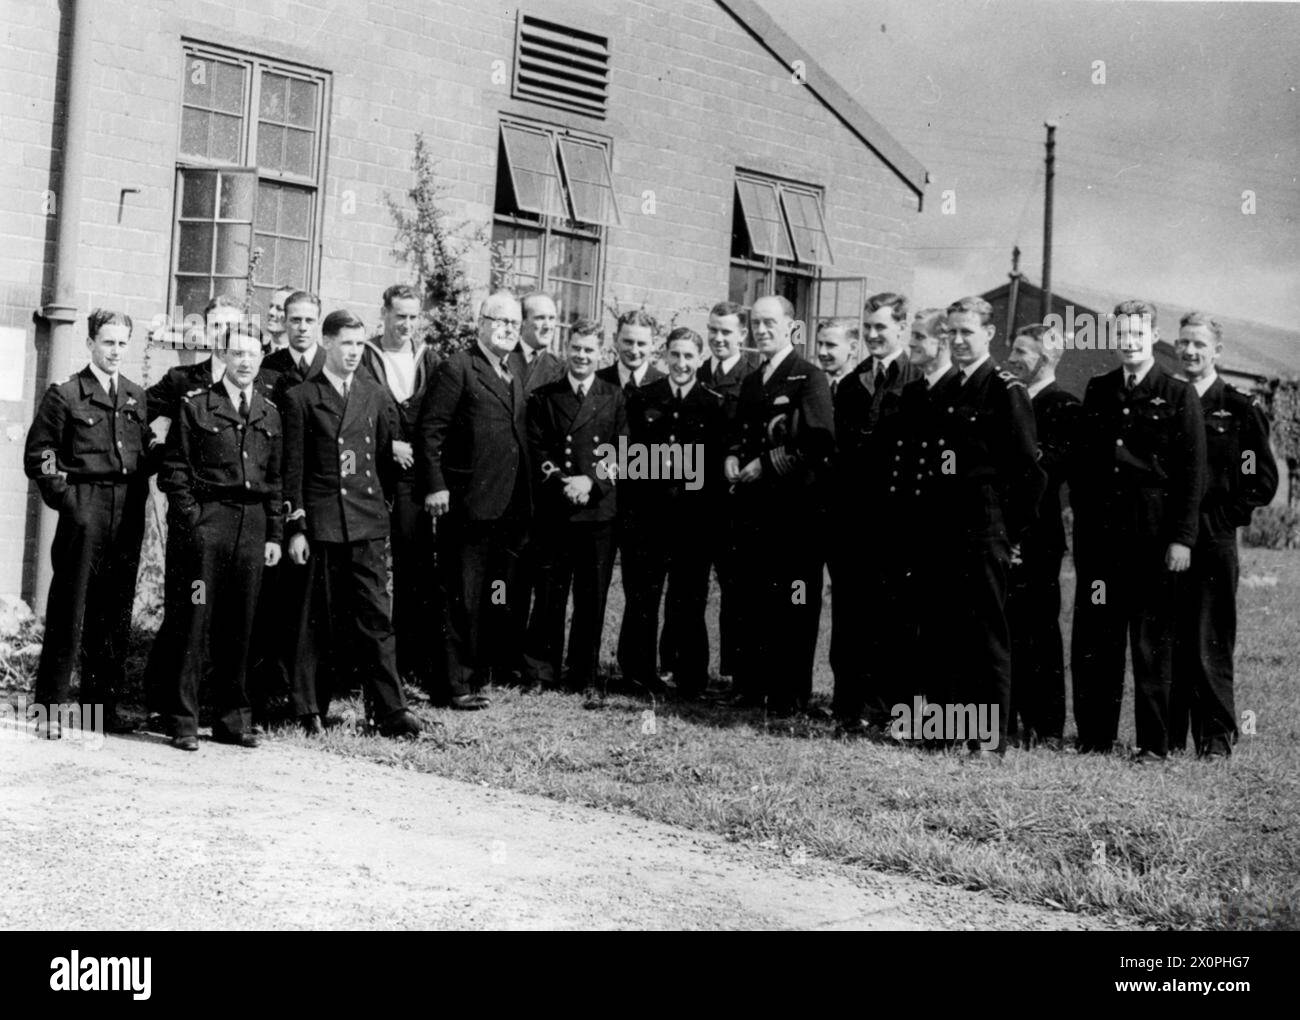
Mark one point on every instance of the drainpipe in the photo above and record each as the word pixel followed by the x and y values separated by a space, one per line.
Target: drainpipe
pixel 66 343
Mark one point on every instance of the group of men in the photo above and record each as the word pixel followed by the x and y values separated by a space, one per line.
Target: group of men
pixel 507 477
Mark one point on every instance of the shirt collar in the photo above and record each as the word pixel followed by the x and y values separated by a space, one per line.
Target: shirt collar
pixel 582 384
pixel 935 375
pixel 305 358
pixel 780 356
pixel 105 380
pixel 234 390
pixel 624 373
pixel 337 381
pixel 971 369
pixel 685 389
pixel 886 362
pixel 1041 385
pixel 496 362
pixel 723 367
pixel 1142 373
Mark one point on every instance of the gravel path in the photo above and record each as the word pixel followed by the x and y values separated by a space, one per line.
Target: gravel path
pixel 136 835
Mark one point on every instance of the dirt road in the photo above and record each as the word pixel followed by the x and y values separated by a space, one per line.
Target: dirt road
pixel 137 835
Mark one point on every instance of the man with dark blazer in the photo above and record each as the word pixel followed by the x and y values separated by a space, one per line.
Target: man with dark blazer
pixel 88 452
pixel 678 426
pixel 221 473
pixel 1136 493
pixel 869 397
pixel 1241 475
pixel 539 335
pixel 304 358
pixel 575 425
pixel 338 457
pixel 403 365
pixel 724 372
pixel 634 343
pixel 783 441
pixel 1034 599
pixel 992 486
pixel 473 464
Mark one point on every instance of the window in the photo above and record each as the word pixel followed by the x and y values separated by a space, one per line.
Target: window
pixel 250 172
pixel 561 66
pixel 779 243
pixel 554 197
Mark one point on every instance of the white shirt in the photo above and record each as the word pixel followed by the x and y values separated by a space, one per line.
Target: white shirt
pixel 625 373
pixel 234 392
pixel 935 375
pixel 399 369
pixel 1041 385
pixel 303 360
pixel 339 381
pixel 105 380
pixel 580 384
pixel 721 368
pixel 1140 374
pixel 971 369
pixel 496 362
pixel 772 365
pixel 681 390
pixel 1202 385
pixel 886 361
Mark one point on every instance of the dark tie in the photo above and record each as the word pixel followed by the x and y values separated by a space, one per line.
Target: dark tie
pixel 580 392
pixel 243 405
pixel 835 385
pixel 677 395
pixel 347 388
pixel 112 391
pixel 630 385
pixel 302 368
pixel 879 376
pixel 1130 382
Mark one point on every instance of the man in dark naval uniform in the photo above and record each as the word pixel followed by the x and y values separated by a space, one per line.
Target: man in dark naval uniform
pixel 87 451
pixel 221 474
pixel 784 437
pixel 1136 492
pixel 338 454
pixel 1034 601
pixel 1241 475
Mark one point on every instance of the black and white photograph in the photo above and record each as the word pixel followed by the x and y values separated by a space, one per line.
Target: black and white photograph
pixel 666 465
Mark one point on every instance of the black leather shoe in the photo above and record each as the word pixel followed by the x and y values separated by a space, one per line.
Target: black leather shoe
pixel 593 698
pixel 236 739
pixel 1145 757
pixel 470 702
pixel 401 724
pixel 311 725
pixel 185 743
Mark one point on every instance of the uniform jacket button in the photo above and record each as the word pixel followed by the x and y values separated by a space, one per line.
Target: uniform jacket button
pixel 340 441
pixel 248 485
pixel 369 489
pixel 1119 442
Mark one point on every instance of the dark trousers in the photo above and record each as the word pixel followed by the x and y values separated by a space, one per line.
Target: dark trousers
pixel 1201 694
pixel 978 659
pixel 95 553
pixel 477 569
pixel 417 614
pixel 578 555
pixel 345 628
pixel 642 564
pixel 1124 594
pixel 227 549
pixel 1037 651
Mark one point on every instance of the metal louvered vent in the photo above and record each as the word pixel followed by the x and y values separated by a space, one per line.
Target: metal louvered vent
pixel 561 66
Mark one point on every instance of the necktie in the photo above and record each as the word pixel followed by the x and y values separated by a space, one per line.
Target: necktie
pixel 504 371
pixel 243 404
pixel 677 395
pixel 630 385
pixel 835 385
pixel 580 392
pixel 879 375
pixel 302 368
pixel 1130 381
pixel 347 388
pixel 112 391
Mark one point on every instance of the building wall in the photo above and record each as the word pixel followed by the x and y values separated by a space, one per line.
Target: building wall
pixel 693 97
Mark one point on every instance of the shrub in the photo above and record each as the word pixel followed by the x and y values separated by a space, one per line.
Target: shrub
pixel 1273 527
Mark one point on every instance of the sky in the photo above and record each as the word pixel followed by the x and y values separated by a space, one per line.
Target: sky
pixel 1199 104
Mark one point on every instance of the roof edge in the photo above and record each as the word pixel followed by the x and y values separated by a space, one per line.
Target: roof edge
pixel 759 24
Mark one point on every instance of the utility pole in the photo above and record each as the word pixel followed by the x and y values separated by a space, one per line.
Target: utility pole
pixel 1047 221
pixel 1013 297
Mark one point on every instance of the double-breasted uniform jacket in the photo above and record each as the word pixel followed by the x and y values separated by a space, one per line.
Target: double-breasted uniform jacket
pixel 911 445
pixel 659 422
pixel 1140 472
pixel 788 424
pixel 1057 417
pixel 472 436
pixel 212 454
pixel 165 395
pixel 728 383
pixel 860 406
pixel 78 431
pixel 565 438
pixel 280 373
pixel 1241 473
pixel 338 459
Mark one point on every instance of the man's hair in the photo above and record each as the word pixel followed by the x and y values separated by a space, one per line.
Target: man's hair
pixel 534 295
pixel 101 317
pixel 400 292
pixel 931 321
pixel 898 302
pixel 588 327
pixel 338 321
pixel 1201 319
pixel 724 308
pixel 849 326
pixel 1048 338
pixel 299 297
pixel 685 333
pixel 497 295
pixel 786 307
pixel 638 317
pixel 973 304
pixel 1136 306
pixel 222 301
pixel 244 327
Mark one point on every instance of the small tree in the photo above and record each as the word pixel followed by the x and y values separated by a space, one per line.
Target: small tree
pixel 434 252
pixel 1284 412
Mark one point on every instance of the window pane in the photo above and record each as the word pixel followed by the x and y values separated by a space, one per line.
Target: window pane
pixel 196 248
pixel 520 251
pixel 198 81
pixel 228 88
pixel 236 197
pixel 291 262
pixel 194 131
pixel 797 290
pixel 572 258
pixel 225 137
pixel 270 146
pixel 763 218
pixel 268 206
pixel 297 156
pixel 576 301
pixel 233 247
pixel 274 88
pixel 267 270
pixel 590 185
pixel 198 195
pixel 302 103
pixel 295 212
pixel 192 293
pixel 811 243
pixel 533 170
pixel 746 283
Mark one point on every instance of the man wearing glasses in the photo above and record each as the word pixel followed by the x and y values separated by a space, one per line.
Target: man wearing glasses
pixel 472 462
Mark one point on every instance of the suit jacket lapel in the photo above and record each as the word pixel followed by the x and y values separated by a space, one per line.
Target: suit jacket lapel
pixel 488 376
pixel 588 408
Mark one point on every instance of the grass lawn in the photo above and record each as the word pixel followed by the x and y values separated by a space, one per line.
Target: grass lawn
pixel 1183 845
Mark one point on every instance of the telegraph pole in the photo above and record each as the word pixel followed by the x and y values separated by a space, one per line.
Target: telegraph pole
pixel 1047 221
